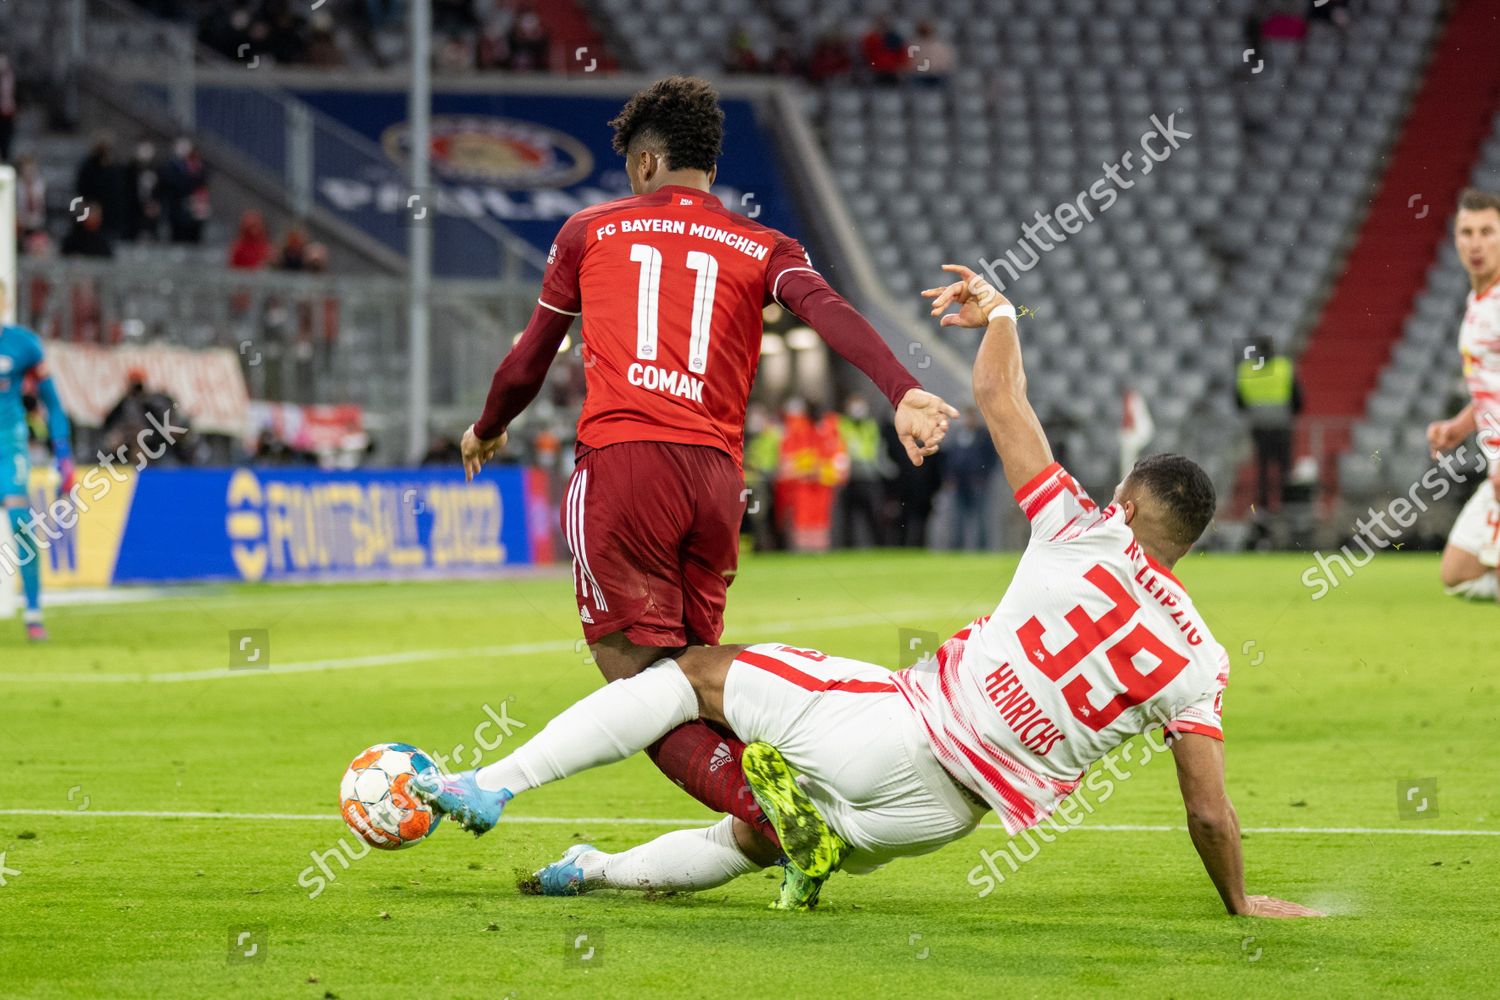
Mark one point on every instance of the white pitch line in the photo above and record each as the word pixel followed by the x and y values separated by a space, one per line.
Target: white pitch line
pixel 412 656
pixel 1322 830
pixel 681 822
pixel 305 666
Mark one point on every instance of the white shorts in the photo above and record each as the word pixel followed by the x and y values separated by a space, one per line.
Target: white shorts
pixel 1477 529
pixel 869 767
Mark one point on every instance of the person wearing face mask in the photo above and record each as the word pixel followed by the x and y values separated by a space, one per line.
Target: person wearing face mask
pixel 859 520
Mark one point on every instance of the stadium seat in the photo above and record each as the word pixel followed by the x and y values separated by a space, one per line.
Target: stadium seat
pixel 1240 229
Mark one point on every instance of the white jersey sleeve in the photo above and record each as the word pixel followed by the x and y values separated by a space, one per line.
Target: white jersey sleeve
pixel 1479 343
pixel 1057 507
pixel 1094 642
pixel 1206 716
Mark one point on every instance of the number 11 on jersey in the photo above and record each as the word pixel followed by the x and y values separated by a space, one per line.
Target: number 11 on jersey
pixel 648 300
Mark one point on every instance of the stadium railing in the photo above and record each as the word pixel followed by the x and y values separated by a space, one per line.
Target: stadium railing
pixel 239 109
pixel 301 338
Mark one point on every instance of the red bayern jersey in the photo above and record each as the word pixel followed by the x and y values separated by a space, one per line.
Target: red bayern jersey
pixel 671 286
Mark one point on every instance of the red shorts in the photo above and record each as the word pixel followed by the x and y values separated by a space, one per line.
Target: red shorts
pixel 655 534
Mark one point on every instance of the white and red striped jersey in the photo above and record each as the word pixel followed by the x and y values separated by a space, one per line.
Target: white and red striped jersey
pixel 1094 642
pixel 1479 342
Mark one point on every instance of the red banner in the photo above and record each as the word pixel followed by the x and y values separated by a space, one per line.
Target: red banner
pixel 310 428
pixel 208 385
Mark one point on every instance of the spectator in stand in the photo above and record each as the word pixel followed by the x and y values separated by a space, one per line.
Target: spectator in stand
pixel 103 180
pixel 224 29
pixel 8 106
pixel 762 458
pixel 830 59
pixel 786 58
pixel 530 43
pixel 885 52
pixel 862 497
pixel 910 498
pixel 323 49
pixel 493 48
pixel 183 190
pixel 455 53
pixel 87 237
pixel 315 259
pixel 293 253
pixel 933 58
pixel 131 424
pixel 1269 394
pixel 283 31
pixel 1284 23
pixel 740 56
pixel 38 245
pixel 443 450
pixel 971 461
pixel 813 466
pixel 251 249
pixel 145 209
pixel 271 449
pixel 31 199
pixel 1335 12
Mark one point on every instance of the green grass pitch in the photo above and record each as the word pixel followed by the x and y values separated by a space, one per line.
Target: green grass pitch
pixel 1332 704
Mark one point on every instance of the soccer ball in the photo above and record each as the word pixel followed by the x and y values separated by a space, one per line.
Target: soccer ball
pixel 375 802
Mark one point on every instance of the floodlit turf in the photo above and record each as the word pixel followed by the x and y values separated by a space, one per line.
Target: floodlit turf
pixel 1334 703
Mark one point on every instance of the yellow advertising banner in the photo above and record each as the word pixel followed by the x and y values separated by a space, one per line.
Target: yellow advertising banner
pixel 83 554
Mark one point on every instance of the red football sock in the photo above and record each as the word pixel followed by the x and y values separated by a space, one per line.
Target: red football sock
pixel 706 764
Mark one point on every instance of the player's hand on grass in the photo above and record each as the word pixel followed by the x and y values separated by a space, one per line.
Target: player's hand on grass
pixel 1278 909
pixel 976 299
pixel 1444 435
pixel 921 422
pixel 477 450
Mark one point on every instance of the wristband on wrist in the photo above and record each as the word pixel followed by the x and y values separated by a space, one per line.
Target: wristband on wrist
pixel 1007 310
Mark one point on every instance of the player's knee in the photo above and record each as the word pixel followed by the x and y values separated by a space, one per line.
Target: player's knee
pixel 616 656
pixel 1459 567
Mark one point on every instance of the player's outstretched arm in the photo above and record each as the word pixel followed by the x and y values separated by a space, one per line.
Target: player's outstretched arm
pixel 1215 828
pixel 999 377
pixel 516 383
pixel 59 428
pixel 921 417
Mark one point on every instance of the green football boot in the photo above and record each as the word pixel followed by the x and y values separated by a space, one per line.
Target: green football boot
pixel 798 891
pixel 813 848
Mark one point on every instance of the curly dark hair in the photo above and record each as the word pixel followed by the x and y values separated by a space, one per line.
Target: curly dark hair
pixel 1184 491
pixel 678 117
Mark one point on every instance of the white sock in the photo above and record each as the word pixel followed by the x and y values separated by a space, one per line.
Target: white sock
pixel 682 861
pixel 1481 588
pixel 620 719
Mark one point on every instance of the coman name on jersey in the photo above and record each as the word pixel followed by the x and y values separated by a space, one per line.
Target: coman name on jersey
pixel 662 380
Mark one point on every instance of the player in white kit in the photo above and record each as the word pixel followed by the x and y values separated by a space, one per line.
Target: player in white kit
pixel 1471 557
pixel 1094 642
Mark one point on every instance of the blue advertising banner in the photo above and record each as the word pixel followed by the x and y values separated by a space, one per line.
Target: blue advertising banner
pixel 304 523
pixel 528 162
